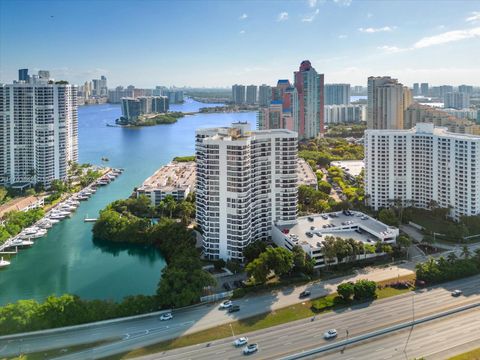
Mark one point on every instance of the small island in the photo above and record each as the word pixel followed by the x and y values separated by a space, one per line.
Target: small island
pixel 152 119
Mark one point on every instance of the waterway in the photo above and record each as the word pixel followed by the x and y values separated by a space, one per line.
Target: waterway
pixel 67 260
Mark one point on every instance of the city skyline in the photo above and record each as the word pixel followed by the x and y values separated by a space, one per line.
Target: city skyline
pixel 180 43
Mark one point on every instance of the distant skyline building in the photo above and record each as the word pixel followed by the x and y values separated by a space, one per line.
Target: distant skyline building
pixel 456 100
pixel 251 94
pixel 238 94
pixel 423 165
pixel 23 75
pixel 242 186
pixel 310 89
pixel 100 88
pixel 38 131
pixel 44 74
pixel 132 108
pixel 466 89
pixel 416 89
pixel 337 114
pixel 264 95
pixel 282 113
pixel 387 100
pixel 337 94
pixel 424 89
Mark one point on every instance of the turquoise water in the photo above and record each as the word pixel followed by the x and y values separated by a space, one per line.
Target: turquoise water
pixel 67 260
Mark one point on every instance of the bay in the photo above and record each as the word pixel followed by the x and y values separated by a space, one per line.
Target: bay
pixel 67 260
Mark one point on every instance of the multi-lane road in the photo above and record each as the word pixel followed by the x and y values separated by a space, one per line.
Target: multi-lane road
pixel 306 334
pixel 133 333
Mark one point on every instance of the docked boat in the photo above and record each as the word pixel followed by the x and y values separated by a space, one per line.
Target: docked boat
pixel 53 221
pixel 4 263
pixel 45 224
pixel 20 242
pixel 57 215
pixel 103 182
pixel 82 197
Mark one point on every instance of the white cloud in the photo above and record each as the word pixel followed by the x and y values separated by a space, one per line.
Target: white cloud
pixel 283 16
pixel 242 32
pixel 371 30
pixel 243 16
pixel 391 49
pixel 311 17
pixel 312 3
pixel 475 16
pixel 342 36
pixel 369 15
pixel 446 37
pixel 343 2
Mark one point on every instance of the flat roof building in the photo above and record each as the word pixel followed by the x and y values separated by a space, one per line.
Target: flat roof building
pixel 176 179
pixel 310 233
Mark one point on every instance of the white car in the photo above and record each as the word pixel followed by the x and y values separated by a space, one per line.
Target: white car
pixel 241 341
pixel 166 316
pixel 226 304
pixel 456 293
pixel 330 334
pixel 250 349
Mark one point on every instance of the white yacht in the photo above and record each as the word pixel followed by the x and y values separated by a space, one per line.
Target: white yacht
pixel 4 263
pixel 20 242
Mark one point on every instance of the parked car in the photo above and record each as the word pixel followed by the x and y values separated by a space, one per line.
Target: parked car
pixel 234 308
pixel 304 294
pixel 250 349
pixel 226 304
pixel 226 286
pixel 324 217
pixel 330 334
pixel 241 341
pixel 456 293
pixel 310 218
pixel 166 316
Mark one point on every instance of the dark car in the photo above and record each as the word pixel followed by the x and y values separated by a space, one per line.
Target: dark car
pixel 234 308
pixel 304 294
pixel 226 286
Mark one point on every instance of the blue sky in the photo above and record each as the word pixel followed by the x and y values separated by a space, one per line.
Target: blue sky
pixel 219 43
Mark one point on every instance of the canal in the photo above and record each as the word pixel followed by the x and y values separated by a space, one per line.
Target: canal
pixel 67 260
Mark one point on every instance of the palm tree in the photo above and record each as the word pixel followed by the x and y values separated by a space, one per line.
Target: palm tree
pixel 161 207
pixel 451 257
pixel 466 252
pixel 170 204
pixel 187 209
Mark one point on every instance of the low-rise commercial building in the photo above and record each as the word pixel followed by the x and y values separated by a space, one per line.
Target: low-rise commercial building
pixel 176 179
pixel 310 233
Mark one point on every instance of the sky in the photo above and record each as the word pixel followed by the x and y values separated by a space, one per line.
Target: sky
pixel 218 43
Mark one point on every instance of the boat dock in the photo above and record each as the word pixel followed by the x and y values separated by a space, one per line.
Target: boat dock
pixel 56 214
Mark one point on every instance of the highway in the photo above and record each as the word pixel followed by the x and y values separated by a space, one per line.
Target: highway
pixel 133 333
pixel 306 334
pixel 438 339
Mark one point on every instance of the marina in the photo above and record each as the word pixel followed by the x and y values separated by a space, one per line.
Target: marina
pixel 68 257
pixel 56 214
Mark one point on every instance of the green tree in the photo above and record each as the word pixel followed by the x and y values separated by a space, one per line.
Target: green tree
pixel 324 187
pixel 253 250
pixel 404 241
pixel 346 290
pixel 329 250
pixel 170 204
pixel 364 290
pixel 219 264
pixel 388 217
pixel 466 252
pixel 258 269
pixel 187 209
pixel 279 260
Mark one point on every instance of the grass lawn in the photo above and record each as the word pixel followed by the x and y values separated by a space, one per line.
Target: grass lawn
pixel 471 355
pixel 284 315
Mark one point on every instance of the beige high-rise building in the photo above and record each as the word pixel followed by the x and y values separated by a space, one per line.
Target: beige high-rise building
pixel 387 100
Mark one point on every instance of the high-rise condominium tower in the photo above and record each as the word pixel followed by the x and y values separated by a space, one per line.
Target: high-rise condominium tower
pixel 310 87
pixel 238 94
pixel 246 181
pixel 387 99
pixel 337 94
pixel 421 167
pixel 251 94
pixel 38 131
pixel 264 95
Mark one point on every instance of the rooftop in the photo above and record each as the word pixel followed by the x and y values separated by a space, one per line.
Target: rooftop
pixel 18 204
pixel 306 176
pixel 352 167
pixel 338 224
pixel 175 175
